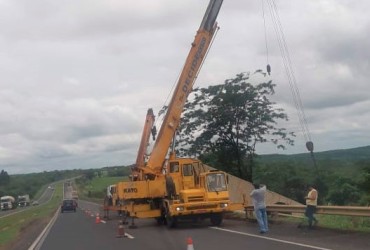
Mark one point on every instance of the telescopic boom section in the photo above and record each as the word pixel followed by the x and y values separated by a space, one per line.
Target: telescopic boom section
pixel 184 86
pixel 149 122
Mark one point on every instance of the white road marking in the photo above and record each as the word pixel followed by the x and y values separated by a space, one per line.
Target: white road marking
pixel 129 236
pixel 272 239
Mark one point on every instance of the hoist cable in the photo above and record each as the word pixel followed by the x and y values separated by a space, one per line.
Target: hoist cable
pixel 264 25
pixel 291 79
pixel 289 69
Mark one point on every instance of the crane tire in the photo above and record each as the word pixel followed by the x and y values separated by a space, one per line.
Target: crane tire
pixel 216 219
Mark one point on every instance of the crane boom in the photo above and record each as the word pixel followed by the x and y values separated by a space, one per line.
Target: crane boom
pixel 184 86
pixel 148 128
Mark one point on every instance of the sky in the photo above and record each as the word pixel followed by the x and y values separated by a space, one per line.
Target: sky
pixel 77 76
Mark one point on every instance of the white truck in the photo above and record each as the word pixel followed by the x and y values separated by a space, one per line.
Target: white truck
pixel 7 202
pixel 24 200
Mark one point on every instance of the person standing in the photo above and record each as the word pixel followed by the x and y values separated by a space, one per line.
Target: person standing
pixel 258 198
pixel 311 203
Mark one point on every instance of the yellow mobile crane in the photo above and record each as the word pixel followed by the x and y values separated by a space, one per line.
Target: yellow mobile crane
pixel 177 188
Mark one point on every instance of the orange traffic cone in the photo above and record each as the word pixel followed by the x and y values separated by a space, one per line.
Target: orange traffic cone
pixel 120 230
pixel 97 220
pixel 190 244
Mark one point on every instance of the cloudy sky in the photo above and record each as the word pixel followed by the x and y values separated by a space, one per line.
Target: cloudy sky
pixel 77 76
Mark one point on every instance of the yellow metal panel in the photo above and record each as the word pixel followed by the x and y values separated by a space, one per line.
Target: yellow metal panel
pixel 132 189
pixel 217 196
pixel 142 211
pixel 141 189
pixel 157 188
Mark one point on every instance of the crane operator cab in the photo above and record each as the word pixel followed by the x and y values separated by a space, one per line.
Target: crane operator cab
pixel 186 172
pixel 216 182
pixel 189 174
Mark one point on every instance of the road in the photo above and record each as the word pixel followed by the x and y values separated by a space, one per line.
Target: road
pixel 80 231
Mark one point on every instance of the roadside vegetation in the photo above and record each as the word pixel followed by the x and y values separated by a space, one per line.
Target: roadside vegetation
pixel 94 189
pixel 345 173
pixel 337 222
pixel 33 183
pixel 12 226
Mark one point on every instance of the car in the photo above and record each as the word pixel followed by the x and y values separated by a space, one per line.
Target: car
pixel 35 203
pixel 68 205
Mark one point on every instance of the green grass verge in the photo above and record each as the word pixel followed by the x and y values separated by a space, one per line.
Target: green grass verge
pixel 352 223
pixel 338 222
pixel 11 226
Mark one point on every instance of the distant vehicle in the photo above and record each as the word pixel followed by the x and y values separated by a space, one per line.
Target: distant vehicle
pixel 24 200
pixel 68 205
pixel 7 202
pixel 35 203
pixel 74 195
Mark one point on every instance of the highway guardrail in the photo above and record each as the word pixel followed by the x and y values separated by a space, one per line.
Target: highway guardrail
pixel 332 210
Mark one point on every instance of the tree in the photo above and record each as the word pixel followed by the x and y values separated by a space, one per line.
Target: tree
pixel 4 178
pixel 226 121
pixel 365 184
pixel 344 192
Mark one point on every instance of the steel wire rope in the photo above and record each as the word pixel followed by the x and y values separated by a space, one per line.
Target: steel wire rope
pixel 292 80
pixel 289 69
pixel 264 26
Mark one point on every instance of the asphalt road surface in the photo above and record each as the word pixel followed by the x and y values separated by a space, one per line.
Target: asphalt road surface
pixel 79 230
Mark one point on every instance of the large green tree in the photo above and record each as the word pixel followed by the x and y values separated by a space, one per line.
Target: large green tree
pixel 223 123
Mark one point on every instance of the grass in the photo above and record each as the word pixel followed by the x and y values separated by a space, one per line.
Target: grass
pixel 351 223
pixel 12 226
pixel 337 222
pixel 96 188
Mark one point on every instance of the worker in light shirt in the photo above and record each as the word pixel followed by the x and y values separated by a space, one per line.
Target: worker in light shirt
pixel 258 198
pixel 311 203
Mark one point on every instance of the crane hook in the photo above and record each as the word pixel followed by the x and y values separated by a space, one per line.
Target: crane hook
pixel 309 146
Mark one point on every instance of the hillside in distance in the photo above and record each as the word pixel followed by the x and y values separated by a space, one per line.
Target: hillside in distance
pixel 354 157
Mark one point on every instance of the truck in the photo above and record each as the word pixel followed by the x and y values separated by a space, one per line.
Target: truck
pixel 166 187
pixel 7 202
pixel 24 200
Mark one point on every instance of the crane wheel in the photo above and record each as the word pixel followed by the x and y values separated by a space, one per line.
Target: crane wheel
pixel 160 220
pixel 216 219
pixel 171 221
